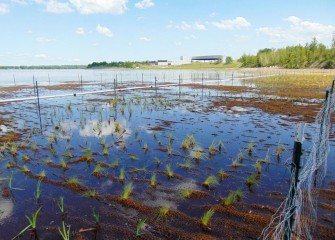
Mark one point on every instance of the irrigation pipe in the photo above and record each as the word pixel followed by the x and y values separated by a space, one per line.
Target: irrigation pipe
pixel 120 89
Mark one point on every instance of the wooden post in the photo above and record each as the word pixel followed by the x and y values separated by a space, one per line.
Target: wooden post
pixel 38 105
pixel 81 82
pixel 34 84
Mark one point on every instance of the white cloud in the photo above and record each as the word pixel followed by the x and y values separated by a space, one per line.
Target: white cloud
pixel 230 24
pixel 43 39
pixel 4 8
pixel 80 31
pixel 21 2
pixel 188 26
pixel 144 4
pixel 298 31
pixel 145 39
pixel 41 55
pixel 104 31
pixel 96 44
pixel 100 6
pixel 53 6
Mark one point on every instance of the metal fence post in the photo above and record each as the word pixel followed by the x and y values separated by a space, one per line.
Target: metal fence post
pixel 297 152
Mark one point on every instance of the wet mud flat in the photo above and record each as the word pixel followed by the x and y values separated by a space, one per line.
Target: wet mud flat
pixel 166 157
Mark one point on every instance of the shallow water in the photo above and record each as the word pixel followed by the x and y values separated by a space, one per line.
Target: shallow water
pixel 70 124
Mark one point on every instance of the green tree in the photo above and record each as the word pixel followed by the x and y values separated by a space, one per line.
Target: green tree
pixel 229 60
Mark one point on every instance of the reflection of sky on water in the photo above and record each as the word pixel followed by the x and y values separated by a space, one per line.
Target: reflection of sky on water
pixel 6 209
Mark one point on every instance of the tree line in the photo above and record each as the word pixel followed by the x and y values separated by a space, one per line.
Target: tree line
pixel 119 64
pixel 312 55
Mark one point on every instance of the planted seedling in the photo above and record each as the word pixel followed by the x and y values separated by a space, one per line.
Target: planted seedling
pixel 153 182
pixel 239 194
pixel 222 175
pixel 64 232
pixel 96 217
pixel 236 164
pixel 60 204
pixel 38 192
pixel 122 175
pixel 115 164
pixel 186 165
pixel 145 147
pixel 127 190
pixel 252 180
pixel 251 147
pixel 230 199
pixel 163 210
pixel 220 146
pixel 32 225
pixel 139 227
pixel 133 157
pixel 169 171
pixel 206 218
pixel 258 167
pixel 186 193
pixel 212 148
pixel 158 161
pixel 210 181
pixel 97 171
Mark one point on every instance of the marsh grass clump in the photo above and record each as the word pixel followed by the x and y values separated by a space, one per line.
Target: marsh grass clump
pixel 68 155
pixel 133 157
pixel 185 193
pixel 122 175
pixel 25 158
pixel 279 150
pixel 236 164
pixel 239 194
pixel 252 180
pixel 212 149
pixel 251 147
pixel 210 181
pixel 153 182
pixel 139 227
pixel 169 171
pixel 91 194
pixel 240 155
pixel 105 150
pixel 188 142
pixel 145 147
pixel 222 174
pixel 169 149
pixel 63 164
pixel 206 218
pixel 198 154
pixel 220 146
pixel 186 165
pixel 115 164
pixel 97 171
pixel 127 190
pixel 158 161
pixel 74 182
pixel 230 199
pixel 258 167
pixel 163 211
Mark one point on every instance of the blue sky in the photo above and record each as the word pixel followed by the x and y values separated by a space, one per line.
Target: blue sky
pixel 47 32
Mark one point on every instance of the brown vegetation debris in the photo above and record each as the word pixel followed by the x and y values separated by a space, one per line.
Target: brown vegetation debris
pixel 220 87
pixel 305 113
